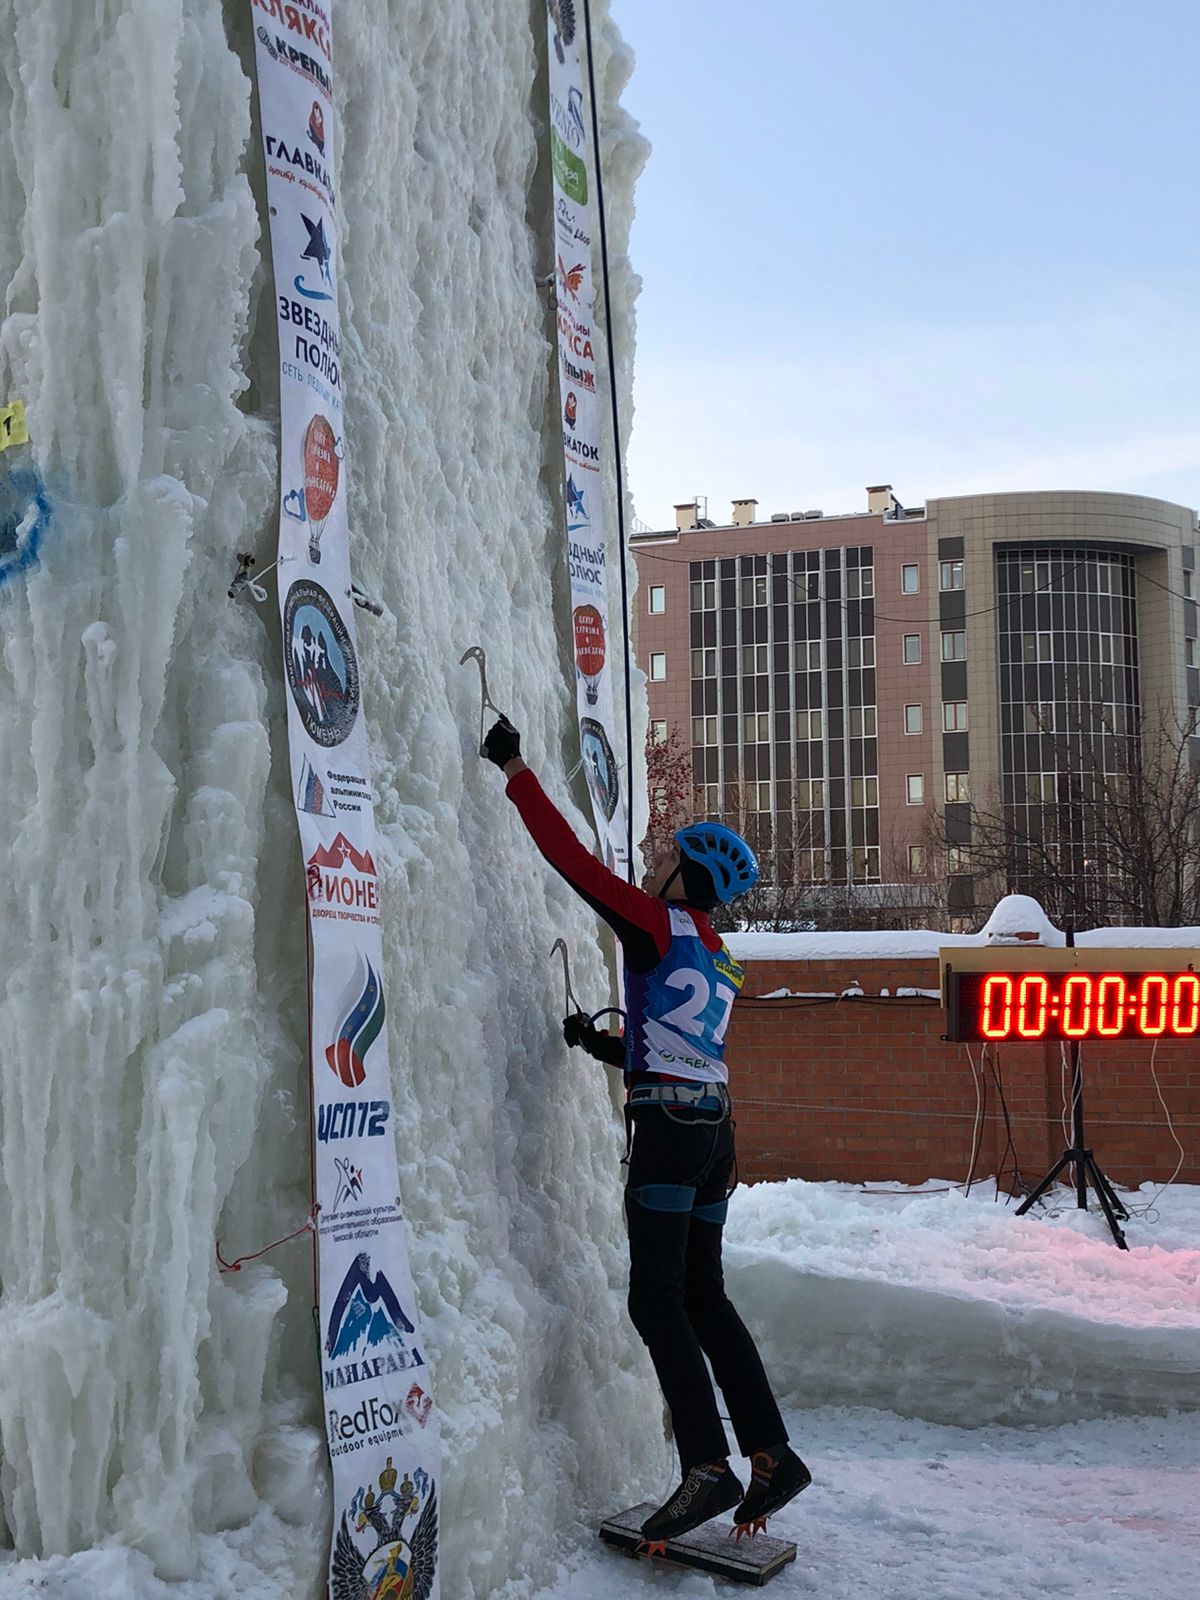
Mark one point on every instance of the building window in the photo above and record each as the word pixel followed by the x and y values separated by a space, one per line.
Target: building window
pixel 704 731
pixel 865 863
pixel 864 791
pixel 1189 652
pixel 658 802
pixel 913 719
pixel 1041 788
pixel 1189 585
pixel 914 789
pixel 658 666
pixel 706 800
pixel 704 663
pixel 910 579
pixel 808 724
pixel 1037 647
pixel 704 594
pixel 916 858
pixel 756 727
pixel 754 591
pixel 950 574
pixel 1039 716
pixel 912 649
pixel 812 650
pixel 862 722
pixel 958 858
pixel 810 794
pixel 813 866
pixel 1035 576
pixel 658 731
pixel 658 599
pixel 860 652
pixel 954 645
pixel 860 583
pixel 956 786
pixel 954 716
pixel 758 796
pixel 1193 722
pixel 756 659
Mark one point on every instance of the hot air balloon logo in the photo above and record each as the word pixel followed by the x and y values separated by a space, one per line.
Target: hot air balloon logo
pixel 322 469
pixel 589 649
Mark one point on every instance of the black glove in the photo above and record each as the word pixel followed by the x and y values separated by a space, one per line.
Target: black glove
pixel 503 742
pixel 578 1029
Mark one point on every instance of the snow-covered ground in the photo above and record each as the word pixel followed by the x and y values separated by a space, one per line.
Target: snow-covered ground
pixel 929 1307
pixel 898 1325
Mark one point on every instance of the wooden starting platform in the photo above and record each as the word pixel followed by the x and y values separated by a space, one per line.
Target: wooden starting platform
pixel 712 1547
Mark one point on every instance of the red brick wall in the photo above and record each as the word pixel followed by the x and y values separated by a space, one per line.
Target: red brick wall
pixel 867 1089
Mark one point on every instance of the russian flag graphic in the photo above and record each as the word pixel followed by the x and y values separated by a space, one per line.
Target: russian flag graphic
pixel 362 1011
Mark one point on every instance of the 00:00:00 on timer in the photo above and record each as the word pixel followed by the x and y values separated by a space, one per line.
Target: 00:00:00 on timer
pixel 1083 1005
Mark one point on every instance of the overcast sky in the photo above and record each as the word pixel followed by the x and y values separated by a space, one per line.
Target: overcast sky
pixel 950 245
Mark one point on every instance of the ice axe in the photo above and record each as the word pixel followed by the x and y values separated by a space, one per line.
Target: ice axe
pixel 477 654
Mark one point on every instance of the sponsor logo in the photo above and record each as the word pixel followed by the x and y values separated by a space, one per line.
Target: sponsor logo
pixel 584 454
pixel 576 336
pixel 571 278
pixel 586 563
pixel 568 119
pixel 316 127
pixel 322 668
pixel 570 409
pixel 569 171
pixel 568 221
pixel 728 968
pixel 375 1555
pixel 352 1119
pixel 342 882
pixel 578 375
pixel 577 515
pixel 291 155
pixel 317 250
pixel 418 1404
pixel 368 1331
pixel 359 1016
pixel 349 1184
pixel 599 766
pixel 310 792
pixel 562 15
pixel 589 649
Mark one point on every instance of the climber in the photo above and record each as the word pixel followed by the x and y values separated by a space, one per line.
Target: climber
pixel 680 984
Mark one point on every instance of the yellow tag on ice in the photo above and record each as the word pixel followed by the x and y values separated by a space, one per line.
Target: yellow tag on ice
pixel 12 425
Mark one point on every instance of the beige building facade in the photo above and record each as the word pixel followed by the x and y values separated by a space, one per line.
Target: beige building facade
pixel 843 682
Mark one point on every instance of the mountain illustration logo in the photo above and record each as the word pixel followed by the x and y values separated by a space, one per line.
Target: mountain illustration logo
pixel 360 1014
pixel 577 516
pixel 321 663
pixel 366 1314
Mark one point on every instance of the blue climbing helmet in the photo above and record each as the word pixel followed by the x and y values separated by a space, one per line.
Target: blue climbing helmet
pixel 725 855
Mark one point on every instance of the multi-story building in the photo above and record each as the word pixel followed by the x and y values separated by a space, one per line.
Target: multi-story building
pixel 839 680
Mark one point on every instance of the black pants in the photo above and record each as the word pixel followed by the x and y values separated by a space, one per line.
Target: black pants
pixel 679 1177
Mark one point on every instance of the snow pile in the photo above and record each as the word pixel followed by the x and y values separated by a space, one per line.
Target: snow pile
pixel 952 1308
pixel 153 1089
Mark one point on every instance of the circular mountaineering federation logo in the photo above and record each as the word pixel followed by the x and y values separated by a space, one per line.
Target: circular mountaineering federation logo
pixel 322 669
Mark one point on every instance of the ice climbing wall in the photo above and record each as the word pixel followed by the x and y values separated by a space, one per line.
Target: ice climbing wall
pixel 159 1420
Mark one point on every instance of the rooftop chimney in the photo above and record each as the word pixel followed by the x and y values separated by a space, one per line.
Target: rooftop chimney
pixel 743 513
pixel 685 517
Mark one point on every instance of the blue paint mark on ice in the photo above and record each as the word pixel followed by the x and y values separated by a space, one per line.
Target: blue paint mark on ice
pixel 25 515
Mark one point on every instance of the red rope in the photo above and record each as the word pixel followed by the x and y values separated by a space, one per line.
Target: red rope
pixel 310 1225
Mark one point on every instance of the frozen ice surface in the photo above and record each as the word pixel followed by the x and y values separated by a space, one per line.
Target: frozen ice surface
pixel 159 1417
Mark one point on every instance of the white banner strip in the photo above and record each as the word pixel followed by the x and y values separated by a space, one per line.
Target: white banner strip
pixel 583 457
pixel 381 1425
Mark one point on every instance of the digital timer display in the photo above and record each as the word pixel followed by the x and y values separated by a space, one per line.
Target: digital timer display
pixel 1073 1005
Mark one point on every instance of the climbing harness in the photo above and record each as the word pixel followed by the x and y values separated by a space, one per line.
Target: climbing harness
pixel 477 654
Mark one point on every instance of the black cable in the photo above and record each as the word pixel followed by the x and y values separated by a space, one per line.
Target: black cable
pixel 616 428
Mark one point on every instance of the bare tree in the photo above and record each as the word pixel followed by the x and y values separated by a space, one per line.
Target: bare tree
pixel 1110 837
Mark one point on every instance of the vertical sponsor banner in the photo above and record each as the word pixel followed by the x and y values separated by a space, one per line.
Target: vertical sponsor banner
pixel 377 1392
pixel 583 457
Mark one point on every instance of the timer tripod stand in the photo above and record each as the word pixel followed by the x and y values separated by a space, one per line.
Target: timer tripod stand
pixel 1078 1156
